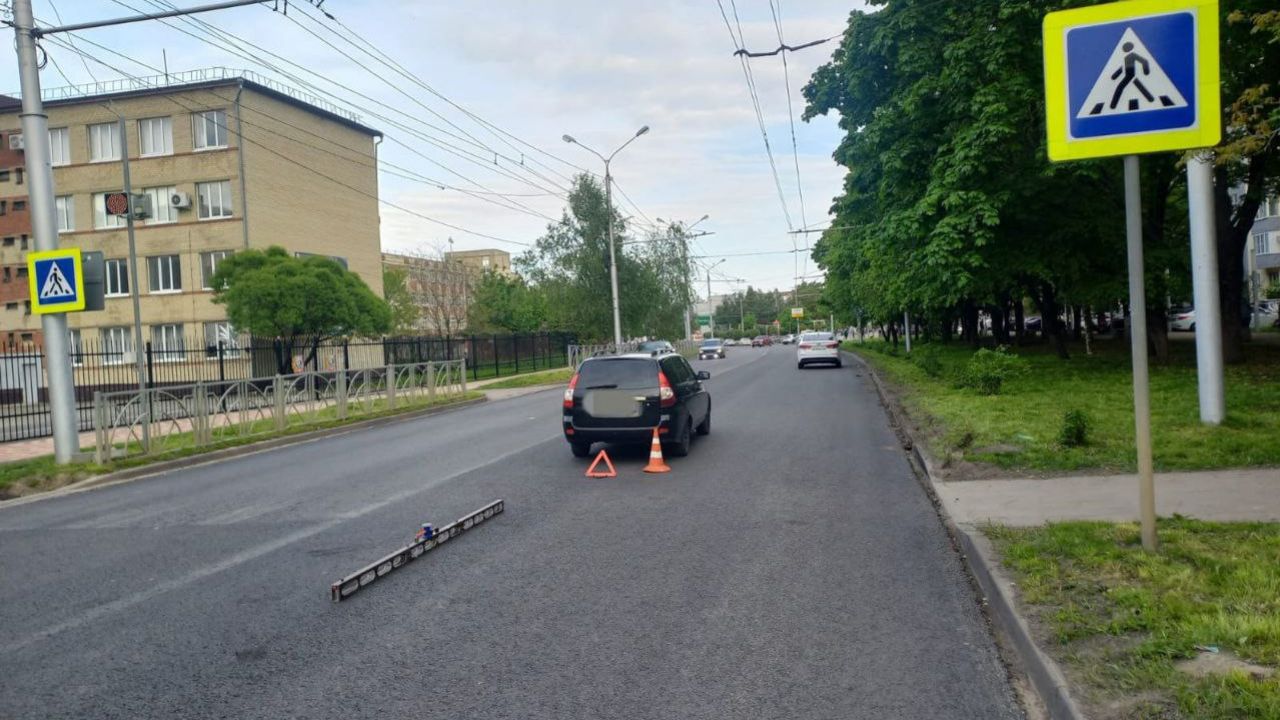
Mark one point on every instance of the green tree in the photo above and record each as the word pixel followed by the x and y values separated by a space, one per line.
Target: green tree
pixel 404 311
pixel 505 303
pixel 296 300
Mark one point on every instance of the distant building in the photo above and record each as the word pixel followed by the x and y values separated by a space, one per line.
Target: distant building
pixel 1262 251
pixel 441 290
pixel 304 177
pixel 498 261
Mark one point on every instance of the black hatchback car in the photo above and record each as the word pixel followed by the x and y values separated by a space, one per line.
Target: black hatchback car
pixel 622 398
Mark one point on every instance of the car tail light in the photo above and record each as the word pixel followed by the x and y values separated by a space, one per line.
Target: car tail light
pixel 568 392
pixel 666 396
pixel 805 346
pixel 833 345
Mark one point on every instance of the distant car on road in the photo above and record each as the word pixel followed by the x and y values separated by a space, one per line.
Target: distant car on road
pixel 712 349
pixel 761 341
pixel 817 347
pixel 788 339
pixel 656 346
pixel 1182 319
pixel 622 398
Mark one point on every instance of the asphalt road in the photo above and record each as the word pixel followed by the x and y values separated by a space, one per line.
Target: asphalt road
pixel 790 567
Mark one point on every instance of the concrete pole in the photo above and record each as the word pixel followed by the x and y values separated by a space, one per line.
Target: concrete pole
pixel 134 288
pixel 613 259
pixel 1138 343
pixel 1204 281
pixel 35 133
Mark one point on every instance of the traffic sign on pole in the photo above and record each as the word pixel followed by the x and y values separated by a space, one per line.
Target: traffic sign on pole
pixel 1132 77
pixel 56 279
pixel 797 312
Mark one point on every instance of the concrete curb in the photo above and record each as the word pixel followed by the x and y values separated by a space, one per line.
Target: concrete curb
pixel 979 557
pixel 160 468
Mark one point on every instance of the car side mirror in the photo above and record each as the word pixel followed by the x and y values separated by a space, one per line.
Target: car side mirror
pixel 704 375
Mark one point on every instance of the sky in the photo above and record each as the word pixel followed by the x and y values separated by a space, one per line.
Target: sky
pixel 597 70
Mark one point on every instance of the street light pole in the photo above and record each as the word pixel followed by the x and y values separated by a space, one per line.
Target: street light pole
pixel 608 201
pixel 711 308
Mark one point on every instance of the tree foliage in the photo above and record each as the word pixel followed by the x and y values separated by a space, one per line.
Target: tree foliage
pixel 273 294
pixel 404 311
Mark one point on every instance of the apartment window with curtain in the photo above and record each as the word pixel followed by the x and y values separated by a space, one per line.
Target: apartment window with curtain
pixel 165 273
pixel 101 220
pixel 209 129
pixel 161 211
pixel 155 136
pixel 104 142
pixel 214 199
pixel 166 342
pixel 117 345
pixel 117 277
pixel 65 209
pixel 60 146
pixel 1264 243
pixel 209 265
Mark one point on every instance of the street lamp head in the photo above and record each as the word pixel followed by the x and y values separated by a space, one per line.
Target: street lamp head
pixel 642 131
pixel 569 139
pixel 704 217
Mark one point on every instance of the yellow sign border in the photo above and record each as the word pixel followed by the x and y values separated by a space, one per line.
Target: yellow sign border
pixel 1208 130
pixel 74 254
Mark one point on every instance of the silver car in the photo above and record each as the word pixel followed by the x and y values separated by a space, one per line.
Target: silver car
pixel 817 347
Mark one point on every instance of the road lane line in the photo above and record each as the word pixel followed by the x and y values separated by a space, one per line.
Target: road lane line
pixel 250 554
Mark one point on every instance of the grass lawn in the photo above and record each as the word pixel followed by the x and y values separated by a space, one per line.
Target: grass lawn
pixel 1121 620
pixel 41 473
pixel 549 377
pixel 1019 428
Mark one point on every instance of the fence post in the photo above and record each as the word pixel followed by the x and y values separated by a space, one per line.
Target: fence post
pixel 222 367
pixel 515 350
pixel 341 378
pixel 277 392
pixel 198 416
pixel 346 354
pixel 99 430
pixel 368 389
pixel 391 387
pixel 493 340
pixel 431 382
pixel 242 399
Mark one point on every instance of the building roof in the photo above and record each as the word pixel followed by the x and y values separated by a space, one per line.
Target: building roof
pixel 219 77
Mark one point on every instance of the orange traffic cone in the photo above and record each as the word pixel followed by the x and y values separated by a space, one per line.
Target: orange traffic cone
pixel 593 473
pixel 656 465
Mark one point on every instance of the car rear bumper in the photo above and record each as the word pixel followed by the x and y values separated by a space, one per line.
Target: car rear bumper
pixel 576 434
pixel 814 358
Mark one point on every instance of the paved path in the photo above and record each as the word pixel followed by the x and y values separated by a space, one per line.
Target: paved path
pixel 1214 495
pixel 790 567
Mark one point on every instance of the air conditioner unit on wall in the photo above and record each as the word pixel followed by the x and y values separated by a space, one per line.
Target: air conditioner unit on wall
pixel 180 200
pixel 16 142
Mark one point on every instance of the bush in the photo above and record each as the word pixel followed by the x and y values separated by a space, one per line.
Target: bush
pixel 926 358
pixel 988 369
pixel 1075 429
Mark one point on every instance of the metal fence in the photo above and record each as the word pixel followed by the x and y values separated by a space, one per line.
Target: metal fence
pixel 179 417
pixel 108 364
pixel 578 353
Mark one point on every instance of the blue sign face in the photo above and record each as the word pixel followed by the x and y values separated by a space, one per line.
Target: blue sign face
pixel 1132 76
pixel 55 281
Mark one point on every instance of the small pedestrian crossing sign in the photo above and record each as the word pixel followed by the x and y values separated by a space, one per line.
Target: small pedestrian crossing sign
pixel 1132 77
pixel 56 280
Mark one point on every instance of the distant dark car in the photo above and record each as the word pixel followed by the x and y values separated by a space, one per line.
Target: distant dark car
pixel 622 398
pixel 652 346
pixel 1033 324
pixel 711 349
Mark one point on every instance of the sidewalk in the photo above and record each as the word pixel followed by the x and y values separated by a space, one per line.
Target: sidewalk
pixel 1222 495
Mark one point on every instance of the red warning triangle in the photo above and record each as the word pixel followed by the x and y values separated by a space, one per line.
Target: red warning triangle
pixel 593 473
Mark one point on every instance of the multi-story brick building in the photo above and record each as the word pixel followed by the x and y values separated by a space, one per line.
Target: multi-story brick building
pixel 479 261
pixel 229 162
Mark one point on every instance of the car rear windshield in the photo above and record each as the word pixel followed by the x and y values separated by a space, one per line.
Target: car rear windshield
pixel 624 374
pixel 815 337
pixel 711 343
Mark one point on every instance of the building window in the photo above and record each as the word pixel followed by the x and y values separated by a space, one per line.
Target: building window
pixel 155 136
pixel 4 176
pixel 166 342
pixel 19 205
pixel 161 211
pixel 77 348
pixel 209 130
pixel 1270 207
pixel 101 220
pixel 11 306
pixel 65 208
pixel 9 241
pixel 117 345
pixel 220 332
pixel 214 199
pixel 209 265
pixel 1262 243
pixel 117 278
pixel 104 142
pixel 8 273
pixel 59 146
pixel 165 273
pixel 24 244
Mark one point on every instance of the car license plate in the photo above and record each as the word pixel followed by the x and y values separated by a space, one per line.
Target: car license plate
pixel 614 404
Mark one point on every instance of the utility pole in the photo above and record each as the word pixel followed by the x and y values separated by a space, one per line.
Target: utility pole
pixel 711 306
pixel 35 133
pixel 1204 283
pixel 135 279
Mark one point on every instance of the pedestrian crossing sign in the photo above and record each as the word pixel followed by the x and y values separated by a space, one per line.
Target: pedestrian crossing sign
pixel 1132 77
pixel 56 279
